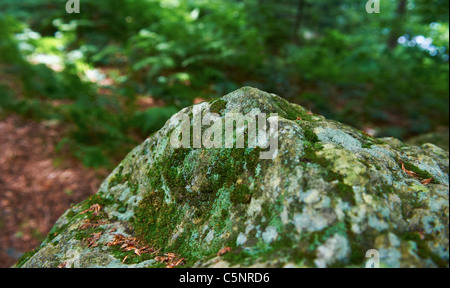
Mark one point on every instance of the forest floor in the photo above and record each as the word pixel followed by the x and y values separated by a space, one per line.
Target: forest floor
pixel 37 184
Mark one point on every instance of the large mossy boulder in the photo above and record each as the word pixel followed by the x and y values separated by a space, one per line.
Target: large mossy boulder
pixel 330 194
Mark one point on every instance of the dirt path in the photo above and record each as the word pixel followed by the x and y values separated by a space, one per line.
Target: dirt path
pixel 36 184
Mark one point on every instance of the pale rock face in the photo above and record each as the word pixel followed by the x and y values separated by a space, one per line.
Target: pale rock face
pixel 329 195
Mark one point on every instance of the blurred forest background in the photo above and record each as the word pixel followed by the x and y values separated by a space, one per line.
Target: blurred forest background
pixel 78 91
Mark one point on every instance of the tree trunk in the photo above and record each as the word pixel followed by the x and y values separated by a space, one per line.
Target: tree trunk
pixel 397 25
pixel 298 21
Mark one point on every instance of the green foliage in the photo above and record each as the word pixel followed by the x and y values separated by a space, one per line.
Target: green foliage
pixel 9 51
pixel 152 119
pixel 101 126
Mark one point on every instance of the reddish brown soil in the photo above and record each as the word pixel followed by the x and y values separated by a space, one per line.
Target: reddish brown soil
pixel 36 184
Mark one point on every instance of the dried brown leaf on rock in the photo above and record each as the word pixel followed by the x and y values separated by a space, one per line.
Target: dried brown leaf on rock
pixel 131 244
pixel 170 259
pixel 96 236
pixel 223 251
pixel 160 259
pixel 421 235
pixel 94 208
pixel 174 264
pixel 92 241
pixel 119 239
pixel 88 223
pixel 427 181
pixel 410 173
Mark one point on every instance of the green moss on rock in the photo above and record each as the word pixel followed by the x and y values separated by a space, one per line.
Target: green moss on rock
pixel 218 106
pixel 241 194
